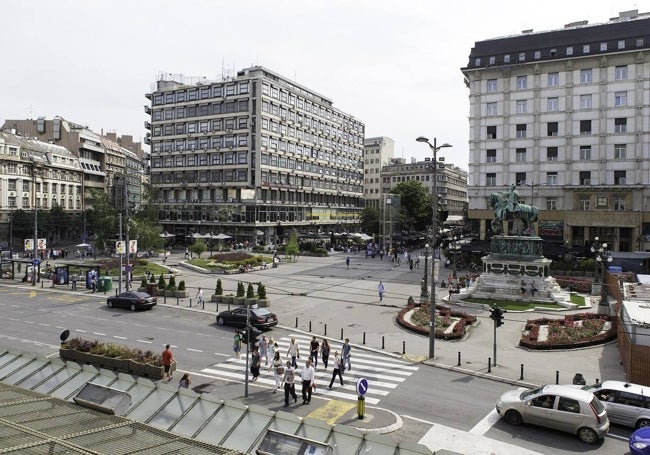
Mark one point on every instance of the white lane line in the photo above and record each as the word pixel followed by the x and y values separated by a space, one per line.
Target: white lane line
pixel 120 338
pixel 59 327
pixel 80 331
pixel 145 341
pixel 418 420
pixel 486 423
pixel 193 350
pixel 29 322
pixel 99 333
pixel 43 324
pixel 222 355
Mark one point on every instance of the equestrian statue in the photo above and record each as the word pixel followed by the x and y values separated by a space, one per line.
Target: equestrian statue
pixel 507 208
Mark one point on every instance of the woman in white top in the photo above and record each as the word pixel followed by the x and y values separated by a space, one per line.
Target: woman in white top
pixel 278 369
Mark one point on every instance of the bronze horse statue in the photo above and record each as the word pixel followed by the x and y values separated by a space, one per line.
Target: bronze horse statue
pixel 505 209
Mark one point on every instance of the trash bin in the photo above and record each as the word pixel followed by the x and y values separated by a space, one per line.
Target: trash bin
pixel 152 289
pixel 105 283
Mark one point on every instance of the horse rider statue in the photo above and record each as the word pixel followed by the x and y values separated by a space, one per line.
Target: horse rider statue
pixel 507 208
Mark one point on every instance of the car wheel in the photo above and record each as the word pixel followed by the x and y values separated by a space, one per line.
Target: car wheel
pixel 220 321
pixel 110 304
pixel 132 307
pixel 587 435
pixel 643 423
pixel 513 417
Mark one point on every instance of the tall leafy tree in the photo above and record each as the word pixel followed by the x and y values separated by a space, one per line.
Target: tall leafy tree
pixel 291 249
pixel 370 220
pixel 416 209
pixel 103 219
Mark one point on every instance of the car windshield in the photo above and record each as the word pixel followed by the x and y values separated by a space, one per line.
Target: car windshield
pixel 529 393
pixel 597 406
pixel 260 311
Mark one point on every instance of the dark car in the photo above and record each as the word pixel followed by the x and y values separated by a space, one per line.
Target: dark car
pixel 260 318
pixel 132 300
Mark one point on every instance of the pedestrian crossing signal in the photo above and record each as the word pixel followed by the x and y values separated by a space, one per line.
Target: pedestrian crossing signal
pixel 496 314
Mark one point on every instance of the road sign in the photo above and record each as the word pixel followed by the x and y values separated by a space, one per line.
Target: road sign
pixel 36 262
pixel 362 386
pixel 128 268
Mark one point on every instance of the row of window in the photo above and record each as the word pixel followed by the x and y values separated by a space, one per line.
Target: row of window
pixel 341 156
pixel 552 154
pixel 553 103
pixel 26 185
pixel 43 203
pixel 200 93
pixel 201 143
pixel 269 178
pixel 306 166
pixel 205 126
pixel 204 159
pixel 553 79
pixel 201 110
pixel 552 128
pixel 551 178
pixel 585 49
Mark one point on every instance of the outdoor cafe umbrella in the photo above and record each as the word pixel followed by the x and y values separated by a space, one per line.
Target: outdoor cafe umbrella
pixel 221 236
pixel 84 245
pixel 166 235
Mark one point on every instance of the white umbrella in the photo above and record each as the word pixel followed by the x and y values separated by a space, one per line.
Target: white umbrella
pixel 196 235
pixel 166 235
pixel 84 245
pixel 222 236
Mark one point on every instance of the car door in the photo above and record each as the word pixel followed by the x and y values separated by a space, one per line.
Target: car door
pixel 626 408
pixel 569 414
pixel 539 411
pixel 239 317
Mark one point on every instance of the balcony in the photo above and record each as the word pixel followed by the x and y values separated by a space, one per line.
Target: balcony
pixel 147 109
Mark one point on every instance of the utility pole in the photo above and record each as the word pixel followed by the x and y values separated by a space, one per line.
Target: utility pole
pixel 119 279
pixel 496 314
pixel 128 246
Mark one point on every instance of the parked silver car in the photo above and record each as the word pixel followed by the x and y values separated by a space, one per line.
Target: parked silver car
pixel 626 404
pixel 563 408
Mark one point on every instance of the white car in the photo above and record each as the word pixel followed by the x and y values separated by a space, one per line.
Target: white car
pixel 560 407
pixel 626 403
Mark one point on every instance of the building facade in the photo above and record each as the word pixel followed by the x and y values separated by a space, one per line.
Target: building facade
pixel 565 115
pixel 252 156
pixel 36 175
pixel 377 151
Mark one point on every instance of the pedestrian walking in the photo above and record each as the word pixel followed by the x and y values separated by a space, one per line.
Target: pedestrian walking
pixel 199 297
pixel 237 344
pixel 381 254
pixel 255 364
pixel 307 375
pixel 325 352
pixel 278 369
pixel 74 282
pixel 381 290
pixel 313 351
pixel 338 369
pixel 288 381
pixel 417 262
pixel 187 253
pixel 347 262
pixel 293 352
pixel 167 359
pixel 264 349
pixel 185 382
pixel 273 346
pixel 346 354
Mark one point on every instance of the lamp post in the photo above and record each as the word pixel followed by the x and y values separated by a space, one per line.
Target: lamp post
pixel 602 256
pixel 35 161
pixel 432 323
pixel 425 287
pixel 454 249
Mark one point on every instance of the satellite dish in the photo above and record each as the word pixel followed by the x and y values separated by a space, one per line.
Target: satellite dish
pixel 64 335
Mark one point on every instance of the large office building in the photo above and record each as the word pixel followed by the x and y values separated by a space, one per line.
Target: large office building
pixel 565 115
pixel 253 156
pixel 377 152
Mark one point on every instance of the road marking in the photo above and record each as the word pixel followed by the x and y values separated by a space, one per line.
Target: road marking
pixel 486 423
pixel 145 341
pixel 120 338
pixel 331 411
pixel 29 322
pixel 222 355
pixel 193 350
pixel 99 333
pixel 43 324
pixel 80 331
pixel 418 420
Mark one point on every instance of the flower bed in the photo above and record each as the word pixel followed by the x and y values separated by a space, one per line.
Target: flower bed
pixel 574 331
pixel 114 357
pixel 445 318
pixel 574 283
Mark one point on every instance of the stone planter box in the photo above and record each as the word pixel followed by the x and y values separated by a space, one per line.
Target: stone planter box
pixel 135 368
pixel 250 301
pixel 238 300
pixel 227 299
pixel 216 298
pixel 181 294
pixel 120 365
pixel 263 303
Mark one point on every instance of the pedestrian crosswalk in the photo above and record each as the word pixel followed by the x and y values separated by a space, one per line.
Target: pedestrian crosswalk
pixel 382 372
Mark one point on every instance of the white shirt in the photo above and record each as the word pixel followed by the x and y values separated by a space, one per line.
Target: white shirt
pixel 307 373
pixel 294 349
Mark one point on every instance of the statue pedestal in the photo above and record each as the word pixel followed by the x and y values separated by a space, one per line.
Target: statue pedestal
pixel 515 263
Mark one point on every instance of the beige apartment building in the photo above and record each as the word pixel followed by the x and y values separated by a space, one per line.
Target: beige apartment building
pixel 565 115
pixel 377 152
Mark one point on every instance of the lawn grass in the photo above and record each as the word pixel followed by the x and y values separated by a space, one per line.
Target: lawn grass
pixel 515 306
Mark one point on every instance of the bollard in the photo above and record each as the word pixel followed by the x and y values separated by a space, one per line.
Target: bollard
pixel 364 337
pixel 177 301
pixel 382 342
pixel 341 333
pixel 228 306
pixel 557 377
pixel 361 407
pixel 296 322
pixel 325 334
pixel 521 378
pixel 458 358
pixel 164 297
pixel 203 308
pixel 217 307
pixel 403 347
pixel 309 326
pixel 489 364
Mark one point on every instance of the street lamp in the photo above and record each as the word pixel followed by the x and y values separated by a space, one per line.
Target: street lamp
pixel 36 160
pixel 425 287
pixel 454 249
pixel 602 256
pixel 432 323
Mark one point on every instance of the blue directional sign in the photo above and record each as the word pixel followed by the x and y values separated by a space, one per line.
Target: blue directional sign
pixel 36 262
pixel 362 386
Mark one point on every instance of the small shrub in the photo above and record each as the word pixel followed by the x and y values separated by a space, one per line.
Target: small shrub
pixel 261 291
pixel 250 292
pixel 152 279
pixel 218 290
pixel 162 284
pixel 240 289
pixel 172 283
pixel 181 285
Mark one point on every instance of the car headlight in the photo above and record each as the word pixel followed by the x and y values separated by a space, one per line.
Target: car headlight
pixel 640 445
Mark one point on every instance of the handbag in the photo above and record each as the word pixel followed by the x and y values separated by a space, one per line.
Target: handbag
pixel 280 370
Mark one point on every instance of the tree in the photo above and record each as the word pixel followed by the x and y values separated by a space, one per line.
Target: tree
pixel 250 291
pixel 198 247
pixel 218 290
pixel 147 232
pixel 416 205
pixel 371 220
pixel 291 249
pixel 103 219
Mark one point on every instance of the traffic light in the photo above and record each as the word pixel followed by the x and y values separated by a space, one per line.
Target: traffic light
pixel 254 335
pixel 496 314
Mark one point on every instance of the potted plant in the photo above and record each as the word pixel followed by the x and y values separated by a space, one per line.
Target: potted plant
pixel 262 301
pixel 227 299
pixel 162 284
pixel 218 292
pixel 181 291
pixel 143 284
pixel 240 296
pixel 170 290
pixel 250 295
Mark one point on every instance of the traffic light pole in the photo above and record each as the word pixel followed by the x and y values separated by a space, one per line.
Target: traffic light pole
pixel 248 340
pixel 494 354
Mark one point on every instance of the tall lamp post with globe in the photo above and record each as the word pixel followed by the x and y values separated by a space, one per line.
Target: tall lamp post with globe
pixel 424 295
pixel 432 310
pixel 602 256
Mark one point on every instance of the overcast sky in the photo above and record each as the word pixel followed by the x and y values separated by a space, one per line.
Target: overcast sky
pixel 394 65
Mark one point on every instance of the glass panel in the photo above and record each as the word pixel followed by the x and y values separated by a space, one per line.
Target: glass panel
pixel 22 373
pixel 284 425
pixel 40 375
pixel 138 393
pixel 221 424
pixel 148 407
pixel 80 379
pixel 315 433
pixel 344 443
pixel 247 431
pixel 378 448
pixel 195 418
pixel 166 417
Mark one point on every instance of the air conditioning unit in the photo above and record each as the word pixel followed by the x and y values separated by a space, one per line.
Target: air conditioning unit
pixel 12 193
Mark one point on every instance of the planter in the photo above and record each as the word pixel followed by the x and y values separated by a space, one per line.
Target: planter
pixel 216 298
pixel 238 300
pixel 70 354
pixel 263 303
pixel 250 301
pixel 227 299
pixel 181 294
pixel 136 368
pixel 153 372
pixel 121 365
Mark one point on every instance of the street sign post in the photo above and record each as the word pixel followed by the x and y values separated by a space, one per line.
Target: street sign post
pixel 362 388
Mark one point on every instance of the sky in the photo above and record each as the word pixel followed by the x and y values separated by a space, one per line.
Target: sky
pixel 394 65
